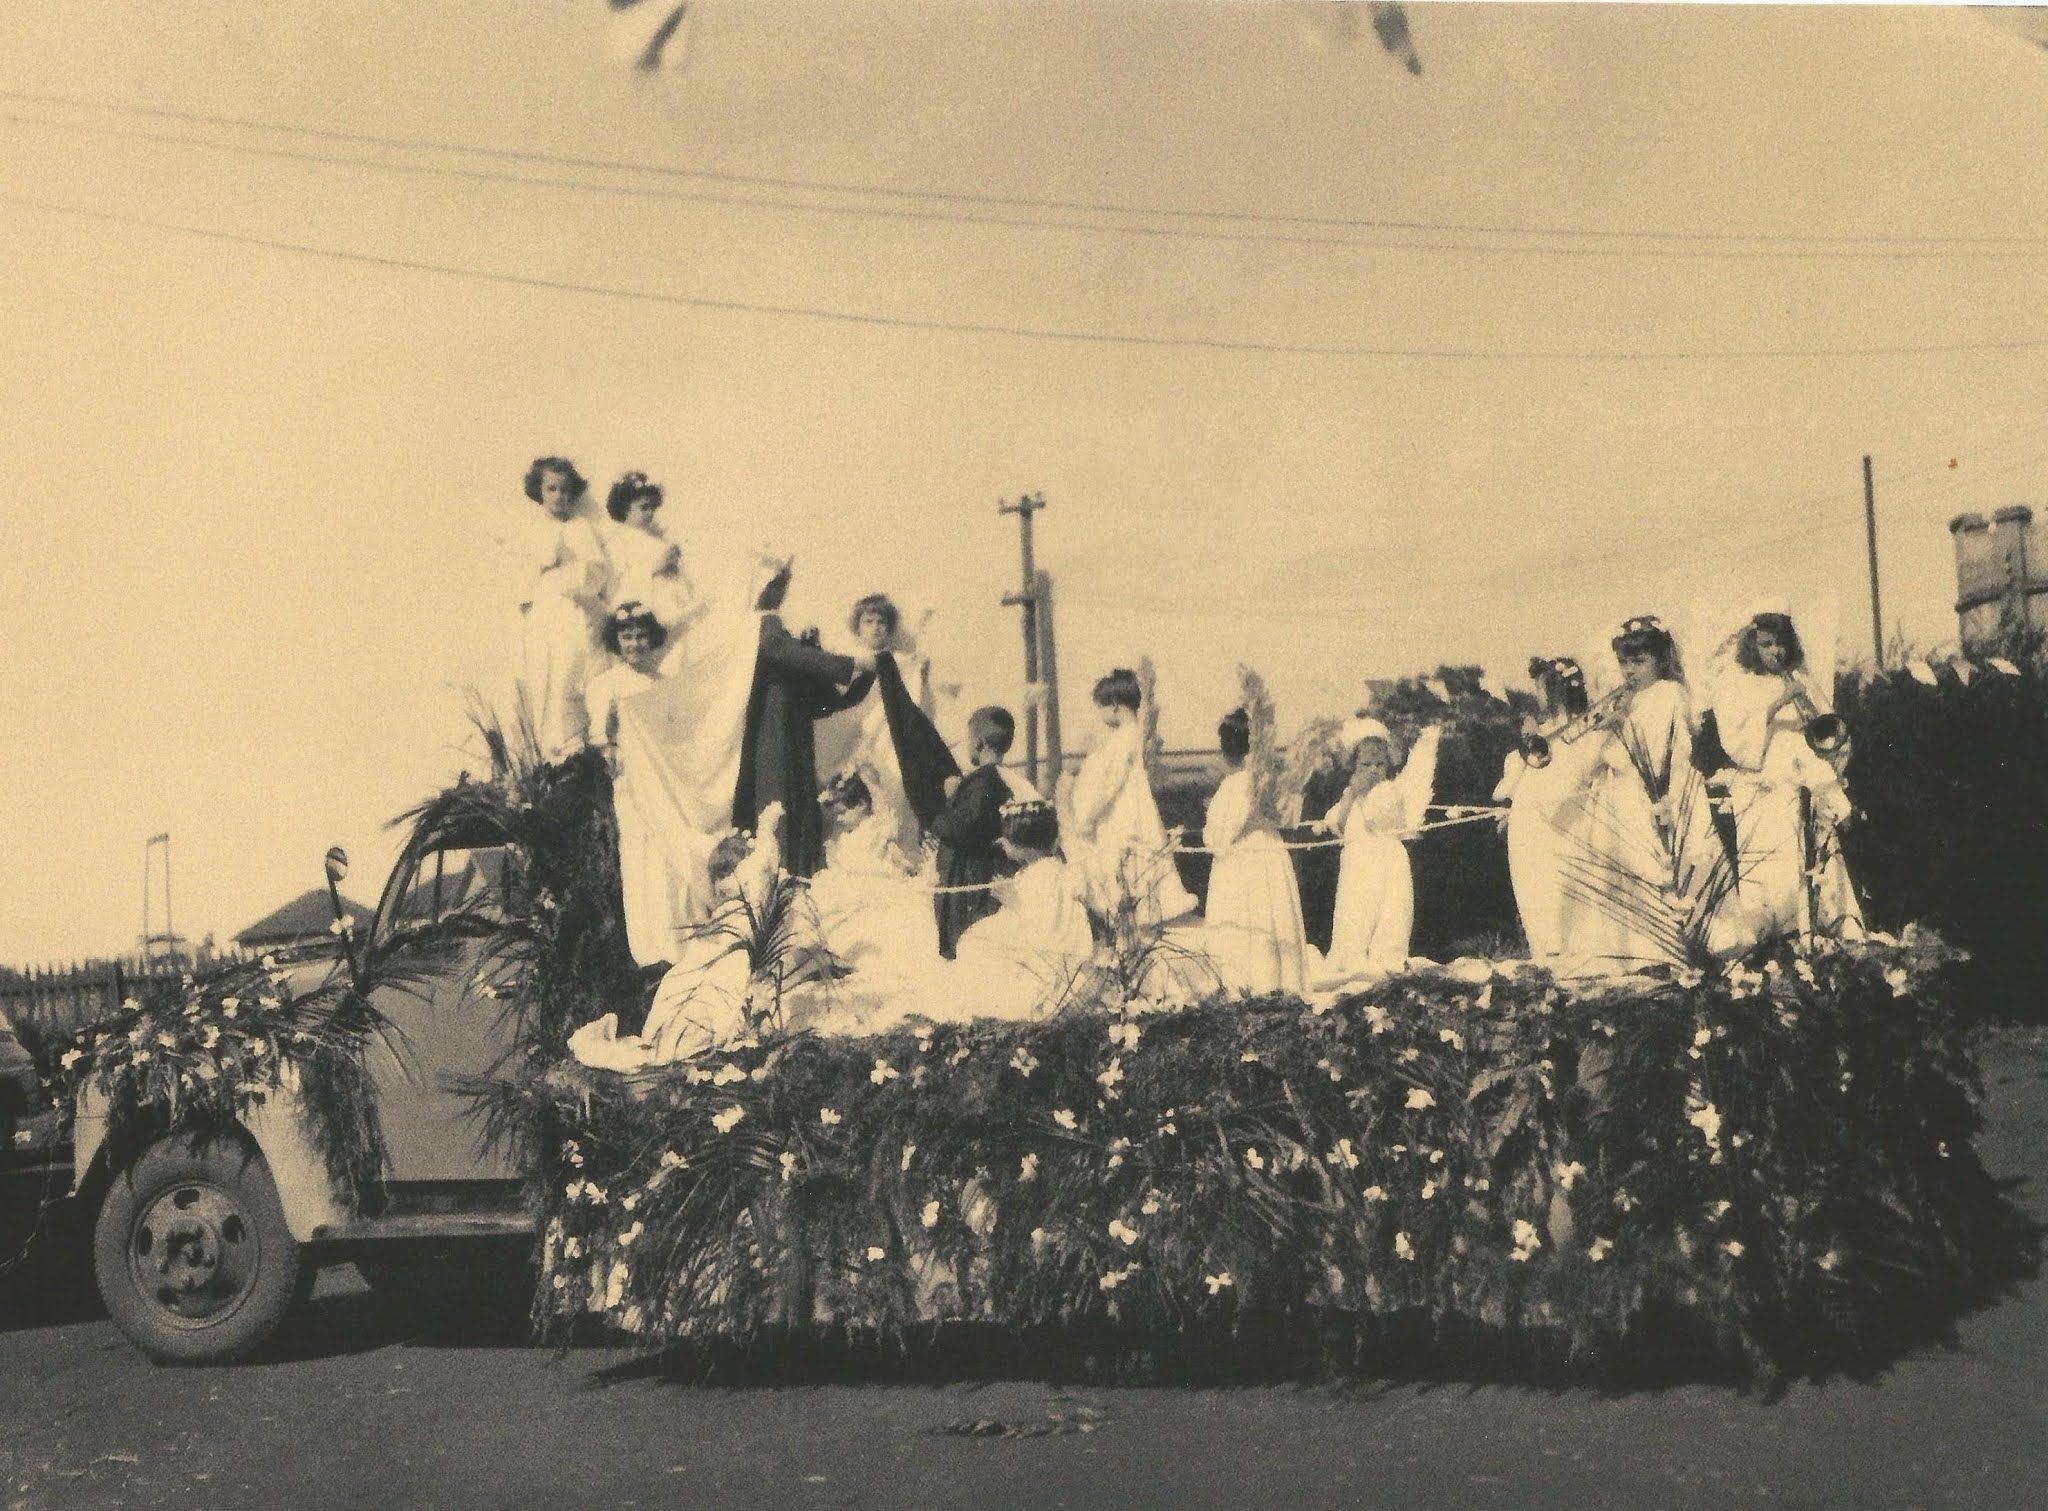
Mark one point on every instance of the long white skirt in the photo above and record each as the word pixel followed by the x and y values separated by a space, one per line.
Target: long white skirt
pixel 1252 928
pixel 1375 913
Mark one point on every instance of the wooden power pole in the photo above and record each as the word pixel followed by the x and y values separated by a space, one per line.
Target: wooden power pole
pixel 1027 599
pixel 1870 535
pixel 1049 677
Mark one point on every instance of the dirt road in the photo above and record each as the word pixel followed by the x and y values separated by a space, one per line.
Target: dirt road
pixel 367 1410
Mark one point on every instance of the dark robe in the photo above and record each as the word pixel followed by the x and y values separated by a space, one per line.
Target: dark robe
pixel 921 754
pixel 794 683
pixel 967 831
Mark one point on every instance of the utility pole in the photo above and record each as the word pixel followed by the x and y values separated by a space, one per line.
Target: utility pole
pixel 169 937
pixel 1027 600
pixel 1049 673
pixel 1870 534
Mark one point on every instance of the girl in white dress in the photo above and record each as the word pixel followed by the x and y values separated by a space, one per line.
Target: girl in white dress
pixel 563 575
pixel 635 638
pixel 1027 958
pixel 1787 797
pixel 1644 846
pixel 1113 828
pixel 1375 911
pixel 1252 929
pixel 1537 791
pixel 873 912
pixel 647 567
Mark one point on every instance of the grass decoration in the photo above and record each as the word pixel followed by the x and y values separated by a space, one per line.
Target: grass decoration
pixel 1766 1170
pixel 1263 763
pixel 1317 747
pixel 1150 746
pixel 201 1060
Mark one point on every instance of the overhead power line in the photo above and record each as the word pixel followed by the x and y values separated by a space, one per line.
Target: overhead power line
pixel 1029 223
pixel 960 197
pixel 1019 332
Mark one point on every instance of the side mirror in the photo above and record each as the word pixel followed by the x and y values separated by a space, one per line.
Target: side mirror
pixel 337 866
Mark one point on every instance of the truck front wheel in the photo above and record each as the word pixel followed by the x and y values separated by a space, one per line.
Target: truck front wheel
pixel 192 1254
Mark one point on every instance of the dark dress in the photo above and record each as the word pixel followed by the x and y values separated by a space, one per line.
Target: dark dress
pixel 794 683
pixel 921 753
pixel 967 832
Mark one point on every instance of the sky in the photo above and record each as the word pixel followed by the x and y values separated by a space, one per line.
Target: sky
pixel 1321 367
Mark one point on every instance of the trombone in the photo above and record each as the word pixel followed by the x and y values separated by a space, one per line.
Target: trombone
pixel 1536 748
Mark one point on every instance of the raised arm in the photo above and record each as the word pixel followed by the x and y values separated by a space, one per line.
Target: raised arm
pixel 782 649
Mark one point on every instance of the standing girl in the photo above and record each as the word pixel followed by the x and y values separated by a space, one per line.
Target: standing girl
pixel 564 573
pixel 1252 919
pixel 1375 913
pixel 1537 782
pixel 1113 828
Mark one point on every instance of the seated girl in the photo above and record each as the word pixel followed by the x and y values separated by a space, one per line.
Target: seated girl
pixel 871 913
pixel 1252 929
pixel 647 567
pixel 634 637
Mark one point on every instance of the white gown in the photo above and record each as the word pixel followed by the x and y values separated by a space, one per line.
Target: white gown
pixel 606 691
pixel 857 739
pixel 874 912
pixel 1252 928
pixel 1374 918
pixel 1113 831
pixel 1537 797
pixel 1026 958
pixel 1773 766
pixel 562 572
pixel 647 569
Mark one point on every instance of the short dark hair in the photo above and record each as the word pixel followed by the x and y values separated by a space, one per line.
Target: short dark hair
pixel 1778 625
pixel 1563 683
pixel 628 616
pixel 1234 735
pixel 1120 689
pixel 875 603
pixel 1031 825
pixel 773 591
pixel 628 491
pixel 560 465
pixel 993 727
pixel 1645 635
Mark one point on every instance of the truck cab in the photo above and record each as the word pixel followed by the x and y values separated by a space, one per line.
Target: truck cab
pixel 203 1245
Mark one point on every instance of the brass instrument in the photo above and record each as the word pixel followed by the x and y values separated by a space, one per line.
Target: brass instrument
pixel 1825 733
pixel 1536 749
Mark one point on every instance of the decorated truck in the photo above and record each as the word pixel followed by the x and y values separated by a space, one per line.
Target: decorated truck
pixel 301 1113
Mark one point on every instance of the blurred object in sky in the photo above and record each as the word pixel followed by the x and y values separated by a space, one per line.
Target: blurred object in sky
pixel 1336 22
pixel 2029 21
pixel 650 34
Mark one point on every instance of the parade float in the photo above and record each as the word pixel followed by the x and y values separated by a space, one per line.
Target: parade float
pixel 1746 1167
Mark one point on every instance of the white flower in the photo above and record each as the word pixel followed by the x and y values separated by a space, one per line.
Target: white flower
pixel 1409 1055
pixel 1722 1208
pixel 634 1320
pixel 877 1252
pixel 729 1119
pixel 1249 1057
pixel 1151 1204
pixel 883 1073
pixel 1733 1248
pixel 1115 1278
pixel 670 1160
pixel 1376 1018
pixel 572 1247
pixel 1922 673
pixel 1897 979
pixel 1028 1168
pixel 1429 1189
pixel 72 1057
pixel 930 1215
pixel 1623 1201
pixel 829 1118
pixel 1829 1260
pixel 1526 1236
pixel 229 1009
pixel 788 1164
pixel 1436 1156
pixel 1253 1158
pixel 1686 976
pixel 1218 1281
pixel 909 1153
pixel 1022 1062
pixel 627 1238
pixel 1343 1155
pixel 1403 1247
pixel 1600 1249
pixel 1567 1176
pixel 615 1284
pixel 143 1057
pixel 1040 1238
pixel 1066 1119
pixel 1708 1121
pixel 1112 1075
pixel 1452 1037
pixel 1419 1099
pixel 631 1201
pixel 1328 1069
pixel 1124 1034
pixel 1119 1229
pixel 1704 1037
pixel 1375 1193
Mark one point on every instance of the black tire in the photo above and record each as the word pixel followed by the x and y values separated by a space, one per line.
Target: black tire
pixel 192 1254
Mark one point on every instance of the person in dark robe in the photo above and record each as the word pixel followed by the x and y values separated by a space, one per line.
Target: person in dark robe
pixel 795 682
pixel 969 830
pixel 917 779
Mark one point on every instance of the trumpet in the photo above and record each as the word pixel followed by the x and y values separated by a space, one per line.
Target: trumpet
pixel 1536 748
pixel 1825 733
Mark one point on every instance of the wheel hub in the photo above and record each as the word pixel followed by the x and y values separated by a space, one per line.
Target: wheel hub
pixel 194 1252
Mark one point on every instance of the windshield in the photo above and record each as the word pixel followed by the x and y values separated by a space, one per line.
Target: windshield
pixel 425 889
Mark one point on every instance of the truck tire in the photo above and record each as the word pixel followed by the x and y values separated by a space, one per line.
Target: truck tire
pixel 192 1254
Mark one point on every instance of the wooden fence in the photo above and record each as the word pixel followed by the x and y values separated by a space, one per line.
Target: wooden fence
pixel 62 999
